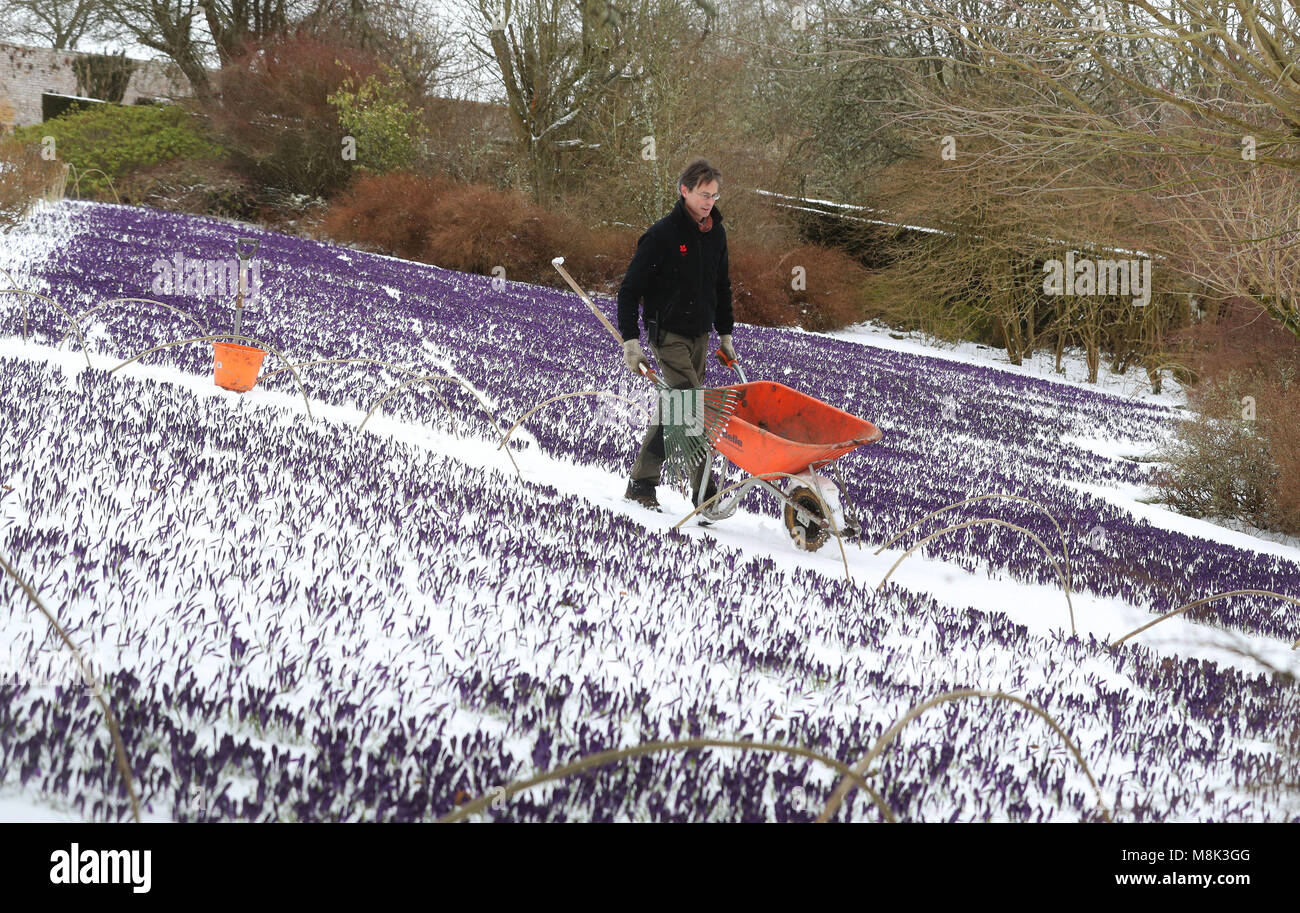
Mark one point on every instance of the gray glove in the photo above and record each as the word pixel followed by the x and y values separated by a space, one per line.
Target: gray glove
pixel 633 357
pixel 727 348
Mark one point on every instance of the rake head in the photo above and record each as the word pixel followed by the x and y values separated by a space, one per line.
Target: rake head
pixel 693 421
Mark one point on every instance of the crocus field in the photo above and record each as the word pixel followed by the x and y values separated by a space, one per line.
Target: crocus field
pixel 297 618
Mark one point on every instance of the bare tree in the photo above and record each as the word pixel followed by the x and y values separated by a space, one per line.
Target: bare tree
pixel 692 87
pixel 413 37
pixel 1113 96
pixel 1135 77
pixel 1236 236
pixel 233 23
pixel 554 58
pixel 57 24
pixel 169 27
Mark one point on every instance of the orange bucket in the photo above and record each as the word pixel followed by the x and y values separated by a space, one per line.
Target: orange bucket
pixel 236 367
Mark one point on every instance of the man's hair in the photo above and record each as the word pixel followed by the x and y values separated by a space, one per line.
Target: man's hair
pixel 699 172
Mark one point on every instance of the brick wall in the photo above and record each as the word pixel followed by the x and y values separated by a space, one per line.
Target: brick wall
pixel 27 72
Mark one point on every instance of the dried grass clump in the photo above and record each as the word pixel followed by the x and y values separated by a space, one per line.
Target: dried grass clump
pixel 25 178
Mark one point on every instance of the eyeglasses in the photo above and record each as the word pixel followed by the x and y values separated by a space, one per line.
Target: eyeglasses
pixel 707 196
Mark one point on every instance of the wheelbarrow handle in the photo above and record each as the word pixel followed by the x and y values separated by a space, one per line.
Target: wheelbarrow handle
pixel 734 364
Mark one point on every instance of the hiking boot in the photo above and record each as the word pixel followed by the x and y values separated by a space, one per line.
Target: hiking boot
pixel 642 491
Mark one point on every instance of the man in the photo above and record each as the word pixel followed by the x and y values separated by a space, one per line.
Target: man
pixel 681 270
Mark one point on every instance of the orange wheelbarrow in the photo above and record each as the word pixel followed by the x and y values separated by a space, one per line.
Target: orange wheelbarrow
pixel 776 432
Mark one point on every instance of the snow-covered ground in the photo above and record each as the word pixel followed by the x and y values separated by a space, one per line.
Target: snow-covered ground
pixel 1041 609
pixel 1041 364
pixel 299 619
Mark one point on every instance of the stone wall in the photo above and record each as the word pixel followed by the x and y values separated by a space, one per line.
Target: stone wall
pixel 25 73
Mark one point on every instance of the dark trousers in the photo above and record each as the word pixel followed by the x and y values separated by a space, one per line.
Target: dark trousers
pixel 681 362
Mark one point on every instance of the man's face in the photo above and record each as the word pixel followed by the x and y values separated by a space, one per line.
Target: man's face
pixel 699 202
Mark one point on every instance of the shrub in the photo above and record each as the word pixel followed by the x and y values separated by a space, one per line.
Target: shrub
pixel 117 139
pixel 474 228
pixel 274 114
pixel 378 118
pixel 391 213
pixel 833 295
pixel 103 76
pixel 759 287
pixel 1219 464
pixel 1239 458
pixel 765 280
pixel 478 228
pixel 1235 336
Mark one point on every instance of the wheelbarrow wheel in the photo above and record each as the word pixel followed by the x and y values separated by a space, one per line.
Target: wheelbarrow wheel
pixel 807 536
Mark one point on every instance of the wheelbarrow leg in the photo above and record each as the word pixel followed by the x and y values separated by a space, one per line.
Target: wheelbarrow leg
pixel 706 464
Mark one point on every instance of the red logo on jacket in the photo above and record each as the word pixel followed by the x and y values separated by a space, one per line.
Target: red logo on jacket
pixel 682 248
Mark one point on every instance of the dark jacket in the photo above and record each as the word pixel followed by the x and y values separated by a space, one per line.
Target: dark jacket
pixel 683 275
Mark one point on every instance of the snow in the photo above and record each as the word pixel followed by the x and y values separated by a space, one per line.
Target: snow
pixel 1042 364
pixel 1161 516
pixel 46 229
pixel 559 122
pixel 1041 609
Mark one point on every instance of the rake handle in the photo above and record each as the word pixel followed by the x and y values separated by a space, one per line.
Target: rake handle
pixel 558 263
